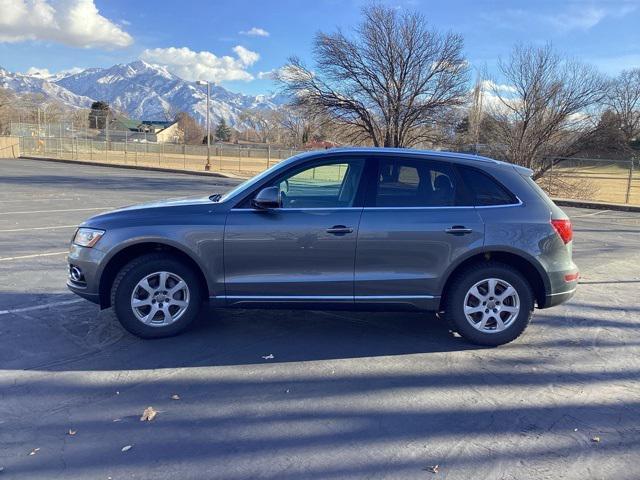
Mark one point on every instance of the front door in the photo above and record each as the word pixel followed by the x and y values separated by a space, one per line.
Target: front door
pixel 305 249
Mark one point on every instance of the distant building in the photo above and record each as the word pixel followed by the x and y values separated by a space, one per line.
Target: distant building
pixel 121 128
pixel 320 145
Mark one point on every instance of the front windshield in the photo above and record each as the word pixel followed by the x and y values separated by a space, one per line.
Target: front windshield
pixel 247 184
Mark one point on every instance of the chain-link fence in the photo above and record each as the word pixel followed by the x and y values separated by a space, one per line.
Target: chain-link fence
pixel 116 147
pixel 604 180
pixel 593 179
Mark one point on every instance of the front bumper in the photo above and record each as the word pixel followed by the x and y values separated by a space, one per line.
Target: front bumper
pixel 87 261
pixel 81 291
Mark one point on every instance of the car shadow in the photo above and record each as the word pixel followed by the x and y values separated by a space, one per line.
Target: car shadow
pixel 78 336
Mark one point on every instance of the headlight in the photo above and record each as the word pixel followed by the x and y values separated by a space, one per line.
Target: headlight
pixel 87 237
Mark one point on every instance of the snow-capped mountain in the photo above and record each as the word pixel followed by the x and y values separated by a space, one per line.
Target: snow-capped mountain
pixel 141 90
pixel 23 84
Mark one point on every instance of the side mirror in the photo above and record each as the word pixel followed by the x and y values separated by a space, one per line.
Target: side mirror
pixel 267 198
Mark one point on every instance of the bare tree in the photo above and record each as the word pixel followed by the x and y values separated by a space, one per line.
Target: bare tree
pixel 8 109
pixel 389 82
pixel 623 99
pixel 295 125
pixel 263 123
pixel 545 108
pixel 192 131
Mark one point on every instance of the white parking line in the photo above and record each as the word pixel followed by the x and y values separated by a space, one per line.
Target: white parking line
pixel 53 211
pixel 20 257
pixel 51 199
pixel 39 307
pixel 55 227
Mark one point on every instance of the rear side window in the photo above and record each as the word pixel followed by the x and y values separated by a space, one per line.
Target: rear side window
pixel 410 183
pixel 484 189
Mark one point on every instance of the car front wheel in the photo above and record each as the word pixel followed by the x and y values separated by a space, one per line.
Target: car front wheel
pixel 489 304
pixel 156 296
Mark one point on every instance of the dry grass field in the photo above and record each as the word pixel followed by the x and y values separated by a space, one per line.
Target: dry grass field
pixel 599 181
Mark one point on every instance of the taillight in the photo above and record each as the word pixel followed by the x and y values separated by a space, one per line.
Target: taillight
pixel 564 229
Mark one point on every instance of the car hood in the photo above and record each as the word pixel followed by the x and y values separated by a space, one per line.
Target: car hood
pixel 170 202
pixel 152 212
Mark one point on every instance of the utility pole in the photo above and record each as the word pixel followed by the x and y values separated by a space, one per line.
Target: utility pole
pixel 208 165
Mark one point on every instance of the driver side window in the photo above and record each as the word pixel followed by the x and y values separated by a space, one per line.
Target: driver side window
pixel 328 185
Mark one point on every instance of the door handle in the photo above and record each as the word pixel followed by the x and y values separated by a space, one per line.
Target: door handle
pixel 458 230
pixel 339 230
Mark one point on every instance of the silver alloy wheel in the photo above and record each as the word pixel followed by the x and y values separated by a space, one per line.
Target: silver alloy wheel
pixel 491 305
pixel 160 299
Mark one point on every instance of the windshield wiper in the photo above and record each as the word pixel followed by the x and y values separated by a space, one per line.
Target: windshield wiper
pixel 215 197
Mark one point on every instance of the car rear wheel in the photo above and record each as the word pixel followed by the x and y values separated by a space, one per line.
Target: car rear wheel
pixel 489 304
pixel 156 296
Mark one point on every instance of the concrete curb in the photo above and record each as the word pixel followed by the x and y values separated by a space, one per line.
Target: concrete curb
pixel 137 167
pixel 623 207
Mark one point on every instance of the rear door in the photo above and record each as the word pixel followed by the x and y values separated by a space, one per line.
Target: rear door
pixel 417 219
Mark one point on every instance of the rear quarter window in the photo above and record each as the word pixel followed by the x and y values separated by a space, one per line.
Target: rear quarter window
pixel 484 189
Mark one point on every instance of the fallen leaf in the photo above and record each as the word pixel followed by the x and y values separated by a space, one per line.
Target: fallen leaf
pixel 148 415
pixel 126 448
pixel 72 432
pixel 269 357
pixel 175 396
pixel 433 468
pixel 34 451
pixel 595 439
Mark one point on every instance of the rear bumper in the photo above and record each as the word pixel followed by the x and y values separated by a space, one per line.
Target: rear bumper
pixel 563 285
pixel 553 299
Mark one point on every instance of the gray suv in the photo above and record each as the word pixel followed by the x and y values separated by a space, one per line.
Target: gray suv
pixel 370 229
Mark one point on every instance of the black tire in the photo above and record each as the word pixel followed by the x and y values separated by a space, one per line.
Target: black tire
pixel 134 272
pixel 465 280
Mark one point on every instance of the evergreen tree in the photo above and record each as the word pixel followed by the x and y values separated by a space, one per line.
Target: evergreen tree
pixel 98 115
pixel 223 132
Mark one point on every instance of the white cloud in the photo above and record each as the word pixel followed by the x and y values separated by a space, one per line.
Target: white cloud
pixel 39 72
pixel 583 18
pixel 284 72
pixel 77 23
pixel 575 17
pixel 269 75
pixel 255 32
pixel 489 86
pixel 247 57
pixel 204 65
pixel 47 74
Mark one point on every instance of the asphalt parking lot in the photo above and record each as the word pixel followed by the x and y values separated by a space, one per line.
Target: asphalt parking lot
pixel 346 395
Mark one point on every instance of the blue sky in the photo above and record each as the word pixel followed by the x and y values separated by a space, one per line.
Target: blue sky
pixel 232 42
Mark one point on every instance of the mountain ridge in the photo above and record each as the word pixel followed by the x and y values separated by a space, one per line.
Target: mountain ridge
pixel 140 89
